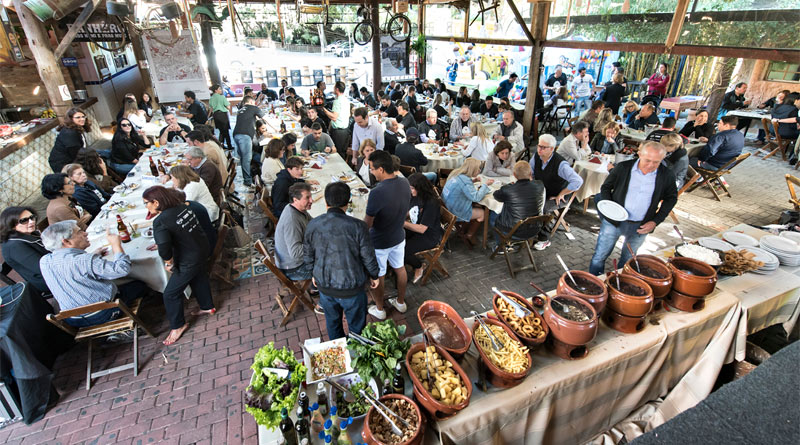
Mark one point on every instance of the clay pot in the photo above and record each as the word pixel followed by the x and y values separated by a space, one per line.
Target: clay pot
pixel 699 283
pixel 623 323
pixel 530 342
pixel 415 439
pixel 495 375
pixel 568 331
pixel 442 308
pixel 437 409
pixel 683 302
pixel 626 304
pixel 598 301
pixel 660 286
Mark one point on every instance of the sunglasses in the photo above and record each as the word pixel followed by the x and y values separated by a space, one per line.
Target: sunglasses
pixel 124 125
pixel 26 220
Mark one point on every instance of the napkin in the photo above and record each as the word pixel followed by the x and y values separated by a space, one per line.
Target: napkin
pixel 316 166
pixel 595 161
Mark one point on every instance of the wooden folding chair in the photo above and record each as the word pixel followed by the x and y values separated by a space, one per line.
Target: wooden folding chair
pixel 258 184
pixel 711 177
pixel 769 138
pixel 128 321
pixel 443 174
pixel 299 293
pixel 792 181
pixel 507 242
pixel 431 256
pixel 561 213
pixel 228 188
pixel 780 143
pixel 407 171
pixel 215 267
pixel 266 206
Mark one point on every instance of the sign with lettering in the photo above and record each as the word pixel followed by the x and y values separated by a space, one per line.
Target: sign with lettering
pixel 100 32
pixel 272 78
pixel 69 61
pixel 296 79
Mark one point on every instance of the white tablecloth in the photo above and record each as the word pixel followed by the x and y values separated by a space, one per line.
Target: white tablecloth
pixel 437 160
pixel 153 128
pixel 593 177
pixel 334 166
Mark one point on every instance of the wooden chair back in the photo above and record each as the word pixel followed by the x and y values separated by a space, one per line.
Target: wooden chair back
pixel 431 256
pixel 443 174
pixel 776 140
pixel 407 170
pixel 792 181
pixel 222 232
pixel 298 293
pixel 266 206
pixel 711 177
pixel 507 240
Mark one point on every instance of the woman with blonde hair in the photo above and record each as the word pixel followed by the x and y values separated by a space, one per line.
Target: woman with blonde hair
pixel 677 158
pixel 362 166
pixel 134 114
pixel 607 140
pixel 480 145
pixel 186 179
pixel 603 119
pixel 459 194
pixel 629 111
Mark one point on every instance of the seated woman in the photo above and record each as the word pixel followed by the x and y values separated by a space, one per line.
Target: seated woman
pixel 58 188
pixel 677 158
pixel 148 105
pixel 195 189
pixel 459 194
pixel 134 114
pixel 125 147
pixel 700 128
pixel 629 112
pixel 183 246
pixel 274 151
pixel 480 145
pixel 423 228
pixel 463 99
pixel 88 195
pixel 608 140
pixel 22 245
pixel 475 101
pixel 362 166
pixel 441 101
pixel 785 117
pixel 96 168
pixel 500 161
pixel 71 138
pixel 558 100
pixel 605 117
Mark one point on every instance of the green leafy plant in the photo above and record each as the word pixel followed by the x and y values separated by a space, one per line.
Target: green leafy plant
pixel 378 361
pixel 420 46
pixel 268 393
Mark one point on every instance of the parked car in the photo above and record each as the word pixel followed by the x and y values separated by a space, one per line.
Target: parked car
pixel 340 48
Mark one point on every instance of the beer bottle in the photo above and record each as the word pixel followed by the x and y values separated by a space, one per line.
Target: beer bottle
pixel 153 168
pixel 124 235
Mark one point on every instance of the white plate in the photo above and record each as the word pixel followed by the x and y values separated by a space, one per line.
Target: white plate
pixel 714 243
pixel 739 239
pixel 762 255
pixel 313 348
pixel 794 236
pixel 781 243
pixel 612 210
pixel 147 233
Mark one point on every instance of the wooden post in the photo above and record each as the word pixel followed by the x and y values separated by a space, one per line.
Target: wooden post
pixel 46 63
pixel 421 31
pixel 677 23
pixel 519 19
pixel 208 46
pixel 376 46
pixel 466 21
pixel 73 71
pixel 66 39
pixel 280 23
pixel 539 21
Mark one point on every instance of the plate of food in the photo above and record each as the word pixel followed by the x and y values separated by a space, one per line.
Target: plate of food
pixel 327 359
pixel 346 177
pixel 315 188
pixel 121 205
pixel 359 191
pixel 452 153
pixel 306 174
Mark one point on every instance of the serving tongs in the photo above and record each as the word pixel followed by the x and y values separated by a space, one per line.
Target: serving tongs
pixel 495 341
pixel 377 404
pixel 427 342
pixel 366 341
pixel 519 310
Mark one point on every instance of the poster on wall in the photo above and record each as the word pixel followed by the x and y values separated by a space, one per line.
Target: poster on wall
pixel 394 60
pixel 175 68
pixel 10 50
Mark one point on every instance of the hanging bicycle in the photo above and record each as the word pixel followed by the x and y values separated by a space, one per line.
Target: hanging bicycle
pixel 397 26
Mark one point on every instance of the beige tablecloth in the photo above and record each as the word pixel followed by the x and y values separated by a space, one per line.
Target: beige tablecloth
pixel 593 177
pixel 332 168
pixel 438 160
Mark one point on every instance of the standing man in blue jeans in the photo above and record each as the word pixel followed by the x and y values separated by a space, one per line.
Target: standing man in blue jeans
pixel 639 185
pixel 340 248
pixel 243 135
pixel 582 86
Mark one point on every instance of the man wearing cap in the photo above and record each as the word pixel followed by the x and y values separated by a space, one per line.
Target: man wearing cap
pixel 582 86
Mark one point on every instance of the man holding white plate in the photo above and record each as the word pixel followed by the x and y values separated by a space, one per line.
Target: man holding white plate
pixel 628 203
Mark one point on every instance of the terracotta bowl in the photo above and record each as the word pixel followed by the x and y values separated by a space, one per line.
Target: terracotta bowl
pixel 623 323
pixel 629 304
pixel 531 342
pixel 660 286
pixel 415 439
pixel 436 408
pixel 699 283
pixel 568 331
pixel 495 375
pixel 598 301
pixel 431 306
pixel 683 302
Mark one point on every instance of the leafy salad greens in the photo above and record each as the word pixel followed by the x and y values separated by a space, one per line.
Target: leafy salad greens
pixel 268 392
pixel 378 361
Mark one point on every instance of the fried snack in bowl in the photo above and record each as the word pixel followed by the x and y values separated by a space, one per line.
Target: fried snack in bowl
pixel 531 329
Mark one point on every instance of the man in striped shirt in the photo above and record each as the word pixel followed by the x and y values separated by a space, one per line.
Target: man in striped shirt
pixel 78 278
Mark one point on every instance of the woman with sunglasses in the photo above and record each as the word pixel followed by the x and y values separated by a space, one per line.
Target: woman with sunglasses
pixel 71 138
pixel 58 188
pixel 22 245
pixel 125 146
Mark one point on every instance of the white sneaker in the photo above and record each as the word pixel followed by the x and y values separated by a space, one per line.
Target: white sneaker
pixel 401 307
pixel 377 313
pixel 541 245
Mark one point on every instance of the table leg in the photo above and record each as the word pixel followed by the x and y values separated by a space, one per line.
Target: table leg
pixel 485 225
pixel 585 205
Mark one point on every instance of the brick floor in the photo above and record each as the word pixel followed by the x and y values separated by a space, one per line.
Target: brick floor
pixel 191 392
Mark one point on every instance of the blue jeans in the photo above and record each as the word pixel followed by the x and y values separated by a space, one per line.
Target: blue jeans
pixel 244 147
pixel 582 103
pixel 122 169
pixel 127 293
pixel 354 308
pixel 299 273
pixel 430 175
pixel 609 234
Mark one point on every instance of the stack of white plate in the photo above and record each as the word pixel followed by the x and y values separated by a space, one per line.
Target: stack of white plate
pixel 714 243
pixel 787 251
pixel 771 262
pixel 794 236
pixel 739 239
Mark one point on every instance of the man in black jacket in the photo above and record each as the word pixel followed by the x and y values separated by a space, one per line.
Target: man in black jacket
pixel 340 248
pixel 368 98
pixel 644 117
pixel 405 116
pixel 522 199
pixel 292 174
pixel 734 100
pixel 638 185
pixel 390 140
pixel 411 156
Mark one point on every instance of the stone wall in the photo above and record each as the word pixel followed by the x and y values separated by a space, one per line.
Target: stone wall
pixel 759 90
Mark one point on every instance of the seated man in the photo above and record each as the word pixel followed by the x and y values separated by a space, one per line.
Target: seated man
pixel 397 93
pixel 430 130
pixel 209 172
pixel 213 152
pixel 590 116
pixel 734 100
pixel 559 181
pixel 522 199
pixel 488 106
pixel 722 147
pixel 575 147
pixel 511 131
pixel 406 118
pixel 459 128
pixel 646 189
pixel 173 130
pixel 645 116
pixel 668 126
pixel 195 110
pixel 368 98
pixel 78 278
pixel 387 108
pixel 290 231
pixel 291 175
pixel 312 118
pixel 411 156
pixel 390 140
pixel 317 141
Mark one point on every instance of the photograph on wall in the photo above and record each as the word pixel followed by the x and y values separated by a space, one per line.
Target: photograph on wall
pixel 394 59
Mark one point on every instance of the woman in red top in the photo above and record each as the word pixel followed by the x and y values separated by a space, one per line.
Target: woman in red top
pixel 657 83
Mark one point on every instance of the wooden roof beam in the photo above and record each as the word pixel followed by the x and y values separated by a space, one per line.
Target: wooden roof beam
pixel 88 9
pixel 677 23
pixel 520 20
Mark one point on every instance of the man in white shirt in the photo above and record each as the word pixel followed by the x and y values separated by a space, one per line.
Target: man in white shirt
pixel 582 86
pixel 575 147
pixel 459 128
pixel 511 131
pixel 365 128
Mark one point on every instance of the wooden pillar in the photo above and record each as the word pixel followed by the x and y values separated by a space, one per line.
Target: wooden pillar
pixel 207 39
pixel 376 46
pixel 280 23
pixel 73 71
pixel 46 64
pixel 421 31
pixel 539 22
